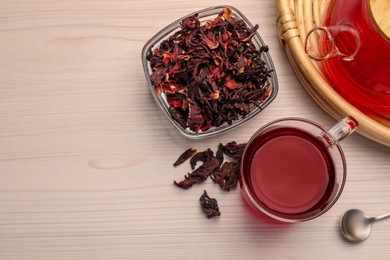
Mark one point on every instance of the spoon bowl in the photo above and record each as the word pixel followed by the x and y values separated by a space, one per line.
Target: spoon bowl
pixel 355 225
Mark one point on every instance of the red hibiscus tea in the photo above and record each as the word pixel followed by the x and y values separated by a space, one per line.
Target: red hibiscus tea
pixel 353 44
pixel 293 169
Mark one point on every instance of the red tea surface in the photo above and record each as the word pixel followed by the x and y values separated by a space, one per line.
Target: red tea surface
pixel 290 172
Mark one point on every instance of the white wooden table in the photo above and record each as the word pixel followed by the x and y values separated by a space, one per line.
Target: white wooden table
pixel 86 156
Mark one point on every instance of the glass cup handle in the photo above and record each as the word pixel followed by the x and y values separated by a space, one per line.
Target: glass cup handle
pixel 340 131
pixel 340 41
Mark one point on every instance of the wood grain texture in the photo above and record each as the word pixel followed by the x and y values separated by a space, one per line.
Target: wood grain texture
pixel 86 156
pixel 379 10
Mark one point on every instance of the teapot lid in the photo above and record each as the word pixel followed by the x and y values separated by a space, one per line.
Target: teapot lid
pixel 380 10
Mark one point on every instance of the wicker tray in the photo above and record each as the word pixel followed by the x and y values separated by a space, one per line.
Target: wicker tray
pixel 296 18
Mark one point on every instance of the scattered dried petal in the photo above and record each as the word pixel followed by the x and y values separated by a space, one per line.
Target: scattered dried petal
pixel 210 163
pixel 233 149
pixel 209 205
pixel 227 177
pixel 185 156
pixel 188 182
pixel 200 157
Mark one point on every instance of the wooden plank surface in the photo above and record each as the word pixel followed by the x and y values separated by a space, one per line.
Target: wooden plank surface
pixel 86 156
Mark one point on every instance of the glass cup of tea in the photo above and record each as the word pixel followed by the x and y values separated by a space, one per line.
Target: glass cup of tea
pixel 293 169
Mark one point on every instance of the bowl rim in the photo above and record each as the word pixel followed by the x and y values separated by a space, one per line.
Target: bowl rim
pixel 160 100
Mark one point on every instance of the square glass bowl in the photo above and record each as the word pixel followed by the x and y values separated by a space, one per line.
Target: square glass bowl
pixel 203 16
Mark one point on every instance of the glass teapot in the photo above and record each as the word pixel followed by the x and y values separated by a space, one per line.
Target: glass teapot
pixel 353 48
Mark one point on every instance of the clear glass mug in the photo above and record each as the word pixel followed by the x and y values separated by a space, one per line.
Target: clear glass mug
pixel 354 53
pixel 293 169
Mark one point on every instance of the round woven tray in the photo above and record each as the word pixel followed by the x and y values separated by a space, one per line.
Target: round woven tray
pixel 296 18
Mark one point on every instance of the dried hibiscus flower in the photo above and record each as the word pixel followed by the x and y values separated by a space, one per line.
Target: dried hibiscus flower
pixel 209 205
pixel 201 156
pixel 210 163
pixel 233 149
pixel 184 156
pixel 189 181
pixel 226 176
pixel 211 74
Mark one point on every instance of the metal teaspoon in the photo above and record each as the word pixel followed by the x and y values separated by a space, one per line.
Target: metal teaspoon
pixel 356 225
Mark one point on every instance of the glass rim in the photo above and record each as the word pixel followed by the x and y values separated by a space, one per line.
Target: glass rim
pixel 255 202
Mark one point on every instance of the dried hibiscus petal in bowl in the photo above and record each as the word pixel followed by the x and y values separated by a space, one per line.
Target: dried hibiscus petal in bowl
pixel 210 71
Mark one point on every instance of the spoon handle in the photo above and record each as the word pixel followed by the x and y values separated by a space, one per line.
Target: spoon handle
pixel 382 216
